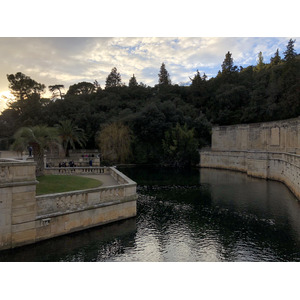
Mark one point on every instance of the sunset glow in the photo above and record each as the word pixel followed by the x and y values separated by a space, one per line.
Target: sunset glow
pixel 5 96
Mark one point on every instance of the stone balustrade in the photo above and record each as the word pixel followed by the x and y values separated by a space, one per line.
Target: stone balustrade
pixel 76 170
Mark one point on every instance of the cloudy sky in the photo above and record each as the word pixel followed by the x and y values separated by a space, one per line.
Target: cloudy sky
pixel 72 59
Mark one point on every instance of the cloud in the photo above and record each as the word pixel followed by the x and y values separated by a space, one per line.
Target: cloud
pixel 74 59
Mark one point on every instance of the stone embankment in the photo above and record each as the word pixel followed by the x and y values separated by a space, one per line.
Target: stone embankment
pixel 266 150
pixel 26 218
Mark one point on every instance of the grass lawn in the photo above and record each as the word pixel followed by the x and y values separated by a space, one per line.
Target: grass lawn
pixel 50 184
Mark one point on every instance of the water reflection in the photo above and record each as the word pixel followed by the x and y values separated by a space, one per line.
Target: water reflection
pixel 195 215
pixel 95 244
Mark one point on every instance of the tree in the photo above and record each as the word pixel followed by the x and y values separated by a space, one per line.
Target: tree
pixel 260 62
pixel 197 80
pixel 114 141
pixel 132 81
pixel 69 135
pixel 113 79
pixel 56 90
pixel 23 86
pixel 163 76
pixel 290 53
pixel 97 86
pixel 81 88
pixel 276 59
pixel 227 65
pixel 180 148
pixel 39 138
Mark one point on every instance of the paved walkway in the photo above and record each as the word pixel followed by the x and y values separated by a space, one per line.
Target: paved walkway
pixel 105 178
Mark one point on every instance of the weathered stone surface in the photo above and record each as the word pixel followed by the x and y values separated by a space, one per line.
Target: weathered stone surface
pixel 25 218
pixel 278 136
pixel 265 150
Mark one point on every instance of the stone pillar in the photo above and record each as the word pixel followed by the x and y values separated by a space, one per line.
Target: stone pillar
pixel 17 203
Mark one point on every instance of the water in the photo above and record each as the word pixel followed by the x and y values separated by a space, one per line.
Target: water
pixel 187 216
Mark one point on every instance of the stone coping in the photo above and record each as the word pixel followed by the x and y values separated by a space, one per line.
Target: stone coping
pixel 257 124
pixel 250 151
pixel 15 162
pixel 70 193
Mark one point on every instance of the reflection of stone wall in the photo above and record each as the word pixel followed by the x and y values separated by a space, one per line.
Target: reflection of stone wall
pixel 278 136
pixel 282 167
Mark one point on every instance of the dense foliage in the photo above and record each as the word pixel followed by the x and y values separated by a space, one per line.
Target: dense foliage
pixel 265 92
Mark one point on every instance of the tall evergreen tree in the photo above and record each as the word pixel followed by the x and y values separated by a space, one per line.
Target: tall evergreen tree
pixel 113 79
pixel 290 53
pixel 197 80
pixel 227 65
pixel 276 59
pixel 163 76
pixel 132 81
pixel 260 62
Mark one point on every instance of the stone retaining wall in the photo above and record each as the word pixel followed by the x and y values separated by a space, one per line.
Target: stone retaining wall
pixel 266 150
pixel 26 218
pixel 277 136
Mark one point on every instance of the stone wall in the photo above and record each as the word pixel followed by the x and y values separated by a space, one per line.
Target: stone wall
pixel 17 202
pixel 267 150
pixel 278 136
pixel 26 218
pixel 284 167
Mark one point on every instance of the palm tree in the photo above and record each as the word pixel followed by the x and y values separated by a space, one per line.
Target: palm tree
pixel 39 138
pixel 69 135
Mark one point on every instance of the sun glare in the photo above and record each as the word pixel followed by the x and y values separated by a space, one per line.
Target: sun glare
pixel 5 96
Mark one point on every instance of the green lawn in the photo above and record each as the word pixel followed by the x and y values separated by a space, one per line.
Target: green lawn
pixel 50 184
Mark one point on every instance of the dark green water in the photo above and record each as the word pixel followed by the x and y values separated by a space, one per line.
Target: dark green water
pixel 196 215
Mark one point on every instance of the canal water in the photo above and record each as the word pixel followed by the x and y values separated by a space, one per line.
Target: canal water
pixel 187 216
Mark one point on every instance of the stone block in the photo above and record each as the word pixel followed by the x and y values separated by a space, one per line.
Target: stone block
pixel 16 219
pixel 25 196
pixel 86 217
pixel 5 217
pixel 23 237
pixel 23 226
pixel 5 240
pixel 5 198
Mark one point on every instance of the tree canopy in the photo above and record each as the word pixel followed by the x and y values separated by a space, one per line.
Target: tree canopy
pixel 163 76
pixel 113 79
pixel 23 86
pixel 267 91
